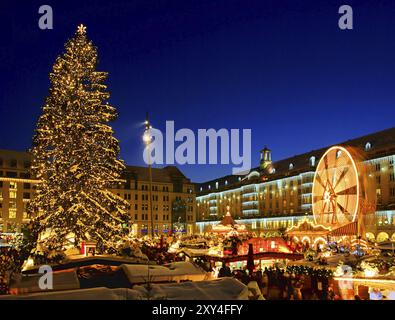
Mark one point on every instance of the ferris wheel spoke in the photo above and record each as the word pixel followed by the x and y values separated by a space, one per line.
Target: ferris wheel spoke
pixel 323 207
pixel 319 180
pixel 342 209
pixel 348 191
pixel 326 162
pixel 341 177
pixel 316 199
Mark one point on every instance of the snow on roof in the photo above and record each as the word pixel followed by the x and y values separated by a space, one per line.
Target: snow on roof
pixel 112 258
pixel 66 280
pixel 332 261
pixel 81 294
pixel 176 271
pixel 80 260
pixel 219 289
pixel 194 252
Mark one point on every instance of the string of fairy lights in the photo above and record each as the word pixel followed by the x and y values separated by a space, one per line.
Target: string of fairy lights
pixel 75 155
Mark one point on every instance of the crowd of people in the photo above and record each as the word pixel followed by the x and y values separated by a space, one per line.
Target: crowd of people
pixel 276 284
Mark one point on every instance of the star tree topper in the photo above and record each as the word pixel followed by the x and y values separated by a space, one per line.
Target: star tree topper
pixel 81 29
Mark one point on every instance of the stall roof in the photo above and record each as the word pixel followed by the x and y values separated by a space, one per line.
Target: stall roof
pixel 172 272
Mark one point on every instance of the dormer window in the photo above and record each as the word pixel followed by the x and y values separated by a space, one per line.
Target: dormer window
pixel 226 182
pixel 216 185
pixel 312 161
pixel 209 187
pixel 338 154
pixel 291 166
pixel 201 188
pixel 368 146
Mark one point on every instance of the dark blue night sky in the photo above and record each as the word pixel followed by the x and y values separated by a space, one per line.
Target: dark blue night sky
pixel 282 68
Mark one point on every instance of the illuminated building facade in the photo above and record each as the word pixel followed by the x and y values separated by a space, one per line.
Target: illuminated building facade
pixel 277 195
pixel 173 196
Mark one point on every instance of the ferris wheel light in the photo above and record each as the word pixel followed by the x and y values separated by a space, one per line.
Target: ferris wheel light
pixel 336 170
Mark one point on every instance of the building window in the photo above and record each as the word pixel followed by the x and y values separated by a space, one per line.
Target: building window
pixel 378 166
pixel 312 161
pixel 26 195
pixel 291 166
pixel 13 163
pixel 12 213
pixel 368 146
pixel 26 185
pixel 378 195
pixel 378 179
pixel 136 207
pixel 11 174
pixel 392 192
pixel 135 216
pixel 338 153
pixel 392 177
pixel 12 194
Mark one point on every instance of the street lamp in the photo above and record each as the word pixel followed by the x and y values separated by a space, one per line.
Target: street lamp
pixel 147 138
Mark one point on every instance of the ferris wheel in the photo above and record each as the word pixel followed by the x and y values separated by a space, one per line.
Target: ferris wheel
pixel 336 188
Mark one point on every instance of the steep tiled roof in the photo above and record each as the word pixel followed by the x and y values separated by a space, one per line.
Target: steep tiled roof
pixel 167 174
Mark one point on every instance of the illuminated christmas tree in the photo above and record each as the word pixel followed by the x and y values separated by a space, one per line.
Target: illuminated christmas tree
pixel 75 155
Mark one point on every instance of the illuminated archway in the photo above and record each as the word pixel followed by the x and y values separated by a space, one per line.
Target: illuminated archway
pixel 382 236
pixel 306 238
pixel 319 240
pixel 370 236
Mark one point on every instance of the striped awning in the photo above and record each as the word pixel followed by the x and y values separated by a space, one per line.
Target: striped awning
pixel 350 229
